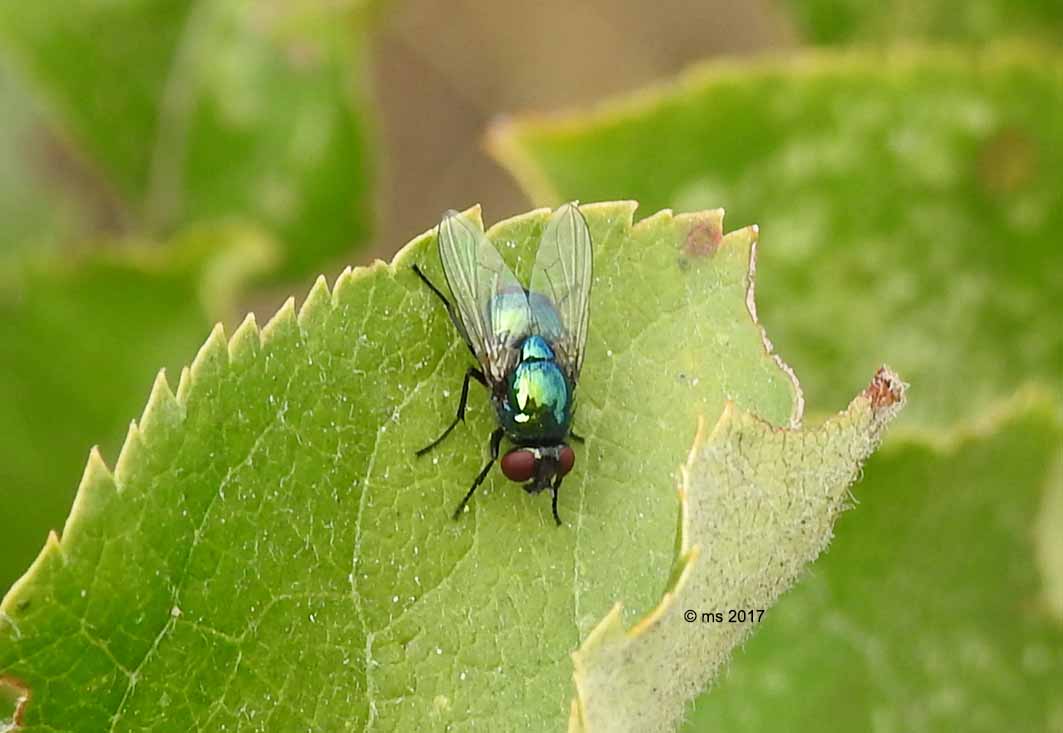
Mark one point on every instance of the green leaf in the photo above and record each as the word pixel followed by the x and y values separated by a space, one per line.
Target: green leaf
pixel 269 553
pixel 82 338
pixel 940 604
pixel 758 504
pixel 834 21
pixel 911 203
pixel 198 111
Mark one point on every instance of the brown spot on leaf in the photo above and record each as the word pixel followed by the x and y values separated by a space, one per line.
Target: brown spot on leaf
pixel 1007 161
pixel 17 691
pixel 885 389
pixel 703 239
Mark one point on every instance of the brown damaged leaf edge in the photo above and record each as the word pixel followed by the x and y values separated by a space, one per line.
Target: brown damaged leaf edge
pixel 21 694
pixel 599 664
pixel 885 389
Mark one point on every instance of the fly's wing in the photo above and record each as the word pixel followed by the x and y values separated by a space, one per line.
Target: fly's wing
pixel 491 303
pixel 562 279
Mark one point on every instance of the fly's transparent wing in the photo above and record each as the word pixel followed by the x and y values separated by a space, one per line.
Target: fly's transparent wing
pixel 561 286
pixel 491 304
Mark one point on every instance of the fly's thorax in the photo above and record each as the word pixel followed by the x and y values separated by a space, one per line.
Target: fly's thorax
pixel 536 406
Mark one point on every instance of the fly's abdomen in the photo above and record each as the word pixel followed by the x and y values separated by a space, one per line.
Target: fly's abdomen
pixel 537 409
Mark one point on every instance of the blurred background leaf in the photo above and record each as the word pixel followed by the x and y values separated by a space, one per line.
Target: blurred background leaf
pixel 33 214
pixel 834 21
pixel 191 112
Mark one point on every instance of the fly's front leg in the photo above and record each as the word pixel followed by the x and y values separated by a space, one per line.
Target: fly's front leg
pixel 449 306
pixel 496 441
pixel 471 373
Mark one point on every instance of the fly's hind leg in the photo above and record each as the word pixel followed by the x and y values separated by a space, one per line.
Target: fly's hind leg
pixel 496 441
pixel 471 373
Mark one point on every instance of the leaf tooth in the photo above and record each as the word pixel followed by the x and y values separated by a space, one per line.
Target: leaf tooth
pixel 37 578
pixel 342 282
pixel 53 547
pixel 624 211
pixel 97 481
pixel 184 384
pixel 535 216
pixel 317 304
pixel 710 217
pixel 245 343
pixel 93 495
pixel 129 457
pixel 213 357
pixel 474 214
pixel 282 325
pixel 163 414
pixel 96 473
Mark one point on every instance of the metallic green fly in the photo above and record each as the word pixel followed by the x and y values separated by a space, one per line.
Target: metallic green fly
pixel 529 342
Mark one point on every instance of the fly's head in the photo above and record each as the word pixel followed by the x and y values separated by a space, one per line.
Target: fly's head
pixel 538 468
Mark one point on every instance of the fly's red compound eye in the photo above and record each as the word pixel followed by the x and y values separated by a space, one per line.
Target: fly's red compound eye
pixel 568 459
pixel 519 465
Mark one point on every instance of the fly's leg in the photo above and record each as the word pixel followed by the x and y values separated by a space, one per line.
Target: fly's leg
pixel 553 504
pixel 449 306
pixel 496 440
pixel 471 373
pixel 578 438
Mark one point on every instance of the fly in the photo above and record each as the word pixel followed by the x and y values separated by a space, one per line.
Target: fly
pixel 528 343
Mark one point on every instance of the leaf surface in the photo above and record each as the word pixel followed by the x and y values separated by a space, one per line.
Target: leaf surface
pixel 268 553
